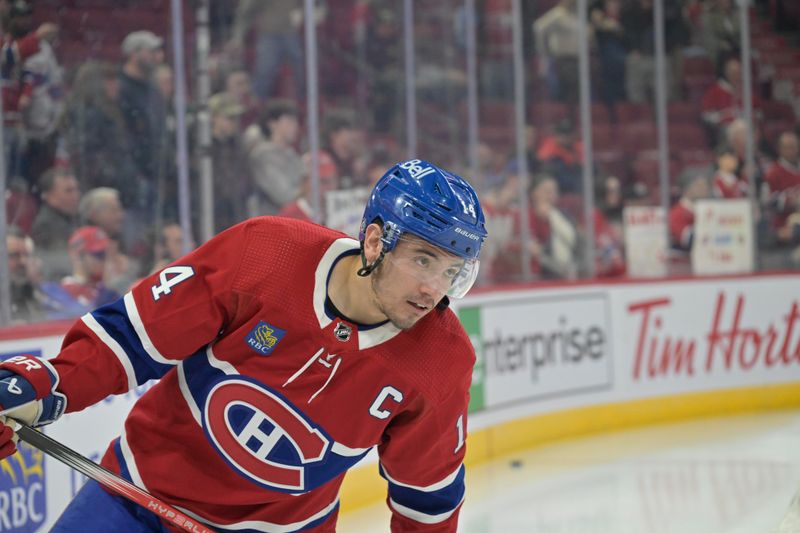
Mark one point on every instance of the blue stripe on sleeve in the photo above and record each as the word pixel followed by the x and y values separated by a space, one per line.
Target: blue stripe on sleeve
pixel 431 503
pixel 114 320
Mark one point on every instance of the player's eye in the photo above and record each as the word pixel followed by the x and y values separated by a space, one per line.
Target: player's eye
pixel 451 273
pixel 422 261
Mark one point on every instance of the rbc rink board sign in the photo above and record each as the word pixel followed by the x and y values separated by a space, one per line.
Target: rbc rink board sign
pixel 23 498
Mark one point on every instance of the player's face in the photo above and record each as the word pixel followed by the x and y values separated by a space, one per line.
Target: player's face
pixel 412 279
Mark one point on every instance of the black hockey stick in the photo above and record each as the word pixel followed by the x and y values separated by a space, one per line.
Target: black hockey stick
pixel 105 477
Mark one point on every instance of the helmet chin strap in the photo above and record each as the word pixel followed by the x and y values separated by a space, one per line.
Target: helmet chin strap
pixel 366 269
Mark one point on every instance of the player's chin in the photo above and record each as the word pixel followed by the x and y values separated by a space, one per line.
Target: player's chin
pixel 408 316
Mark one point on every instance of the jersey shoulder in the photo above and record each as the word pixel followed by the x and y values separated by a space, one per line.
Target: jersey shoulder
pixel 436 354
pixel 278 251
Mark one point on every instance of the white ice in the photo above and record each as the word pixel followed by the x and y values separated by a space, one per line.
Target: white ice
pixel 734 474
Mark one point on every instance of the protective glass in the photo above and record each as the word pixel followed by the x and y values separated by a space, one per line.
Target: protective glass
pixel 447 273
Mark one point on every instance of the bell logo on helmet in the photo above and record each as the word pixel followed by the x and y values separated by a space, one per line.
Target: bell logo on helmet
pixel 416 170
pixel 467 234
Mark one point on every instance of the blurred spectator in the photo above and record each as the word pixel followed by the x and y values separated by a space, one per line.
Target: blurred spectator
pixel 610 37
pixel 340 141
pixel 168 246
pixel 21 205
pixel 143 112
pixel 277 41
pixel 727 183
pixel 275 165
pixel 501 253
pixel 56 220
pixel 239 86
pixel 379 161
pixel 32 299
pixel 41 102
pixel 88 248
pixel 609 247
pixel 532 148
pixel 302 207
pixel 783 180
pixel 609 199
pixel 167 189
pixel 491 167
pixel 27 301
pixel 231 182
pixel 383 47
pixel 164 80
pixel 720 21
pixel 556 35
pixel 19 43
pixel 101 207
pixel 554 240
pixel 722 102
pixel 637 21
pixel 562 156
pixel 639 34
pixel 736 138
pixel 94 134
pixel 680 219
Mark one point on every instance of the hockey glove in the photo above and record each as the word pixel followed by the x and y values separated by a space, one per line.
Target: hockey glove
pixel 8 439
pixel 28 391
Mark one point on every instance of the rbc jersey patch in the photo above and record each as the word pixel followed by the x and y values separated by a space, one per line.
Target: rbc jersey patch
pixel 22 491
pixel 263 338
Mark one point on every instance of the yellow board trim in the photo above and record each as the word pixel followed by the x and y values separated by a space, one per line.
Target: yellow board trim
pixel 363 486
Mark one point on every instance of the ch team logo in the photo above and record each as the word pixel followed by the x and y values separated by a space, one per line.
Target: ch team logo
pixel 23 502
pixel 261 435
pixel 264 337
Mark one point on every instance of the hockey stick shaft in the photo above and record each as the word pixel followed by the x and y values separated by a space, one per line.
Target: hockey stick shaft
pixel 105 477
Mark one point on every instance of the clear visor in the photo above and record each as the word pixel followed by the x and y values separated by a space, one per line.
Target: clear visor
pixel 443 272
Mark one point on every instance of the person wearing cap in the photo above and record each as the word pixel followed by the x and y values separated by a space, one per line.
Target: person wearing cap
pixel 228 159
pixel 88 247
pixel 143 110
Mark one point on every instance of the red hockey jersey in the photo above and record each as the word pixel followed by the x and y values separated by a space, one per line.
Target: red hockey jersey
pixel 266 397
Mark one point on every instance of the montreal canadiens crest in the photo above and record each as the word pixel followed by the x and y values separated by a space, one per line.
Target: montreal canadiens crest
pixel 262 435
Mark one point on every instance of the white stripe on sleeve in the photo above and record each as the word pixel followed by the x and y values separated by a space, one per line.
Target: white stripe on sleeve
pixel 428 488
pixel 92 323
pixel 422 517
pixel 144 338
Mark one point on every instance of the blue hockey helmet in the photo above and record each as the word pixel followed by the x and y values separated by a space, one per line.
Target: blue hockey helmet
pixel 422 199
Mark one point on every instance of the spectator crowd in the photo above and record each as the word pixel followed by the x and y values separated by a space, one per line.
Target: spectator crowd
pixel 92 197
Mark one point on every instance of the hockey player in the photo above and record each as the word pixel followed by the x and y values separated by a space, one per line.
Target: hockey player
pixel 285 352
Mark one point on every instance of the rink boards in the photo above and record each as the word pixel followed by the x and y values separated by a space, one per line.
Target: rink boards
pixel 553 362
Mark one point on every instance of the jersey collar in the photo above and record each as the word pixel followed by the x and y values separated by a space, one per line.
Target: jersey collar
pixel 367 338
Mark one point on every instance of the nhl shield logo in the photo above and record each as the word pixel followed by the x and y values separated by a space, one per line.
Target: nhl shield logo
pixel 343 332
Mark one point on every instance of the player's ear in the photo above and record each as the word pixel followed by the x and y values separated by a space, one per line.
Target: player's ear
pixel 372 242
